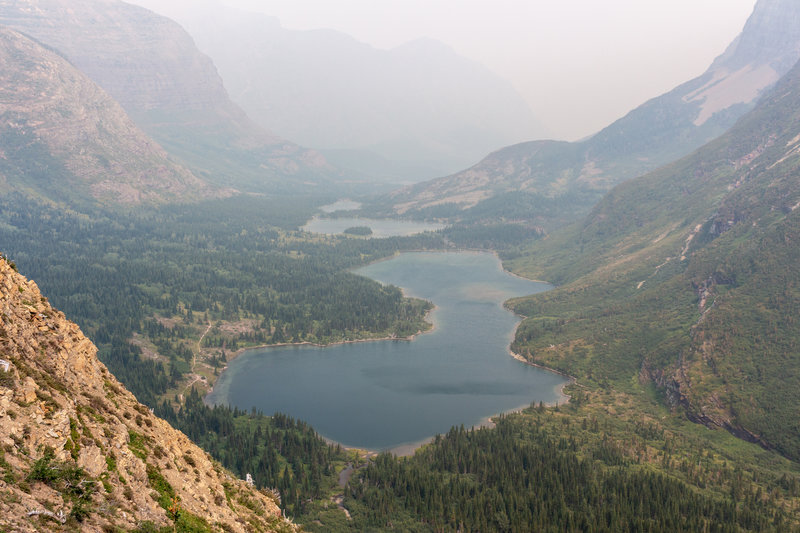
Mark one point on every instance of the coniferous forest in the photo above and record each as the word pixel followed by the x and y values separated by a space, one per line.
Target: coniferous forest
pixel 523 478
pixel 280 453
pixel 164 274
pixel 115 274
pixel 671 238
pixel 532 472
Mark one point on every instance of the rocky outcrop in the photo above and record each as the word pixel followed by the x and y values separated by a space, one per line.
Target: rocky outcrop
pixel 710 411
pixel 770 37
pixel 61 135
pixel 74 443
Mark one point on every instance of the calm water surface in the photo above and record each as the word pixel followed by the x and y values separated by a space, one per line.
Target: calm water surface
pixel 380 228
pixel 379 395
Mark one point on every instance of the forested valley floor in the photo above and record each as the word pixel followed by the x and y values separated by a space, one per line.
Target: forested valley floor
pixel 168 295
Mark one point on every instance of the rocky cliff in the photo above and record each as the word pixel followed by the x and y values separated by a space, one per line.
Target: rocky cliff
pixel 61 135
pixel 151 66
pixel 78 452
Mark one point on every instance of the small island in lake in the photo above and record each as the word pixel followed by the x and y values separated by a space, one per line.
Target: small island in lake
pixel 361 231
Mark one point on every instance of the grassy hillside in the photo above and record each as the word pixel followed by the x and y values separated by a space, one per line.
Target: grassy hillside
pixel 688 278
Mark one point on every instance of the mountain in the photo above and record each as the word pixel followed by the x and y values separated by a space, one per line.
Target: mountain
pixel 688 279
pixel 62 137
pixel 421 107
pixel 80 453
pixel 151 66
pixel 550 174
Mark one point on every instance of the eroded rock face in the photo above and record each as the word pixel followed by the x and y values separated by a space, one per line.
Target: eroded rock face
pixel 770 37
pixel 151 66
pixel 57 398
pixel 63 135
pixel 130 52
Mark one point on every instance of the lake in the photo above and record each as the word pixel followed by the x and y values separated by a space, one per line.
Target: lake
pixel 380 227
pixel 385 394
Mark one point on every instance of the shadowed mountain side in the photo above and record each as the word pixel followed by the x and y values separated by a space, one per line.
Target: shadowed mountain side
pixel 151 66
pixel 652 135
pixel 62 137
pixel 688 278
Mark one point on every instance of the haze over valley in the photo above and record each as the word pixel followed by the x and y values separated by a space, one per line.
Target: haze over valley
pixel 299 246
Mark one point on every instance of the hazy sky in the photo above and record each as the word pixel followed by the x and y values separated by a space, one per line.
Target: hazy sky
pixel 580 64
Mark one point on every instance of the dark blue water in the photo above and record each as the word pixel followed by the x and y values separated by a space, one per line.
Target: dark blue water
pixel 379 395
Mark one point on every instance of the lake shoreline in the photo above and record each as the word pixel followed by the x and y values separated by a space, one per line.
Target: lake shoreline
pixel 557 397
pixel 242 351
pixel 407 338
pixel 382 228
pixel 571 380
pixel 409 449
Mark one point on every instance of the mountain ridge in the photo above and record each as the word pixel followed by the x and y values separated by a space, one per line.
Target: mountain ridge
pixel 687 278
pixel 64 137
pixel 661 130
pixel 419 104
pixel 173 92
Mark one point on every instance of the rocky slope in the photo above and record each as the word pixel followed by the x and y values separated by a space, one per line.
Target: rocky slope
pixel 688 278
pixel 63 137
pixel 78 452
pixel 656 133
pixel 151 66
pixel 420 105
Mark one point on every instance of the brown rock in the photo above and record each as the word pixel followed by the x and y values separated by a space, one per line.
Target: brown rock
pixel 27 392
pixel 56 418
pixel 92 460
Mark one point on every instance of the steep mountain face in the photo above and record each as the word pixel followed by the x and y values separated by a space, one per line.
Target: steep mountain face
pixel 689 278
pixel 79 452
pixel 61 136
pixel 151 66
pixel 770 38
pixel 420 106
pixel 660 131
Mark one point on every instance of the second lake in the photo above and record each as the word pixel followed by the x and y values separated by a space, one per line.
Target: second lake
pixel 380 228
pixel 386 394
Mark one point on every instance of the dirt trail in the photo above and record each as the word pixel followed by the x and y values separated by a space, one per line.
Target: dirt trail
pixel 195 377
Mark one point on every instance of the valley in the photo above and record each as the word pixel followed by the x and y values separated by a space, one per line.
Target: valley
pixel 251 352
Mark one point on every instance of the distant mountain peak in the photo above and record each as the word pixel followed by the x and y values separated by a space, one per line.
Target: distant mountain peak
pixel 660 131
pixel 771 36
pixel 427 44
pixel 419 105
pixel 767 48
